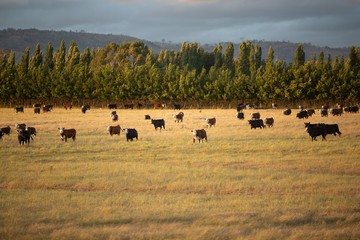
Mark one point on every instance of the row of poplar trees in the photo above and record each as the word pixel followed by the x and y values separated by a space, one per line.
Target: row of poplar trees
pixel 132 71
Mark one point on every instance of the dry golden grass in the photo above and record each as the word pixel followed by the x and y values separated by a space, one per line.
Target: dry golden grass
pixel 242 184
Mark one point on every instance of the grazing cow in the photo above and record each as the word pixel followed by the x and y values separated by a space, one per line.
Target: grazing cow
pixel 269 122
pixel 114 130
pixel 336 112
pixel 68 106
pixel 84 108
pixel 240 107
pixel 301 108
pixel 315 131
pixel 147 117
pixel 310 112
pixel 112 106
pixel 211 121
pixel 177 106
pixel 158 123
pixel 352 109
pixel 50 106
pixel 6 130
pixel 37 105
pixel 240 115
pixel 31 130
pixel 326 107
pixel 37 110
pixel 19 109
pixel 329 128
pixel 323 112
pixel 287 112
pixel 21 126
pixel 46 109
pixel 199 134
pixel 302 114
pixel 24 136
pixel 159 105
pixel 255 115
pixel 179 117
pixel 129 106
pixel 67 133
pixel 131 133
pixel 274 105
pixel 256 123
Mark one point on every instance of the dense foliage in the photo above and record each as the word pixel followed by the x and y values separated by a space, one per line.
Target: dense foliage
pixel 132 71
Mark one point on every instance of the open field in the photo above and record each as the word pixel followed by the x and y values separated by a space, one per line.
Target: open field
pixel 242 184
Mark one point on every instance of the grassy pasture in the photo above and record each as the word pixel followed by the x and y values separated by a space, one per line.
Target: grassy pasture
pixel 243 184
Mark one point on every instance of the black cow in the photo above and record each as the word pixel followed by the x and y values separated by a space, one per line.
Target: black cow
pixel 24 136
pixel 328 128
pixel 315 131
pixel 84 108
pixel 240 115
pixel 19 109
pixel 287 112
pixel 323 112
pixel 256 123
pixel 310 112
pixel 302 114
pixel 147 117
pixel 158 123
pixel 112 106
pixel 352 109
pixel 131 133
pixel 37 110
pixel 177 106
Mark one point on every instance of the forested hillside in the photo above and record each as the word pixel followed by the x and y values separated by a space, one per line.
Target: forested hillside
pixel 132 71
pixel 18 40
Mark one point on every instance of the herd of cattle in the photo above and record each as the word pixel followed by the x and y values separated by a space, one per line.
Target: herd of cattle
pixel 25 133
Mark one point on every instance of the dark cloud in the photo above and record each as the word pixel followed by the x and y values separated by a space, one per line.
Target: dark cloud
pixel 321 22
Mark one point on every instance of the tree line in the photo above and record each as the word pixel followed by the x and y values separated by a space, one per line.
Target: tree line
pixel 130 71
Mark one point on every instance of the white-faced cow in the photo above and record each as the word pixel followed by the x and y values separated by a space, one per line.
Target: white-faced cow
pixel 131 133
pixel 240 115
pixel 211 121
pixel 21 126
pixel 114 130
pixel 179 117
pixel 199 134
pixel 67 133
pixel 114 116
pixel 269 122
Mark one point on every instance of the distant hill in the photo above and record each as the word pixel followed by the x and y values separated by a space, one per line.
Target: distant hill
pixel 18 40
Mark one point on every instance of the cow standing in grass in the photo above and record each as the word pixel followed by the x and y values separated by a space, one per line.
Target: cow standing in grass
pixel 199 134
pixel 131 133
pixel 158 123
pixel 67 133
pixel 114 130
pixel 211 121
pixel 269 122
pixel 179 117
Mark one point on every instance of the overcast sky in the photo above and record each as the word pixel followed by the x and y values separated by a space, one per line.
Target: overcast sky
pixel 333 23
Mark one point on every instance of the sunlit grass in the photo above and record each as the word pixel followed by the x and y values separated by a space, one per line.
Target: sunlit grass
pixel 273 183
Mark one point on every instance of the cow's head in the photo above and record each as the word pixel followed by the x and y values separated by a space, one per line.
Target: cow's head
pixel 61 129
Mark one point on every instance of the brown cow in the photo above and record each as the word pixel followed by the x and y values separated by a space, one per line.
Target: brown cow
pixel 179 117
pixel 129 106
pixel 269 122
pixel 68 106
pixel 6 130
pixel 67 133
pixel 114 130
pixel 31 130
pixel 46 109
pixel 211 121
pixel 114 116
pixel 159 105
pixel 255 116
pixel 199 134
